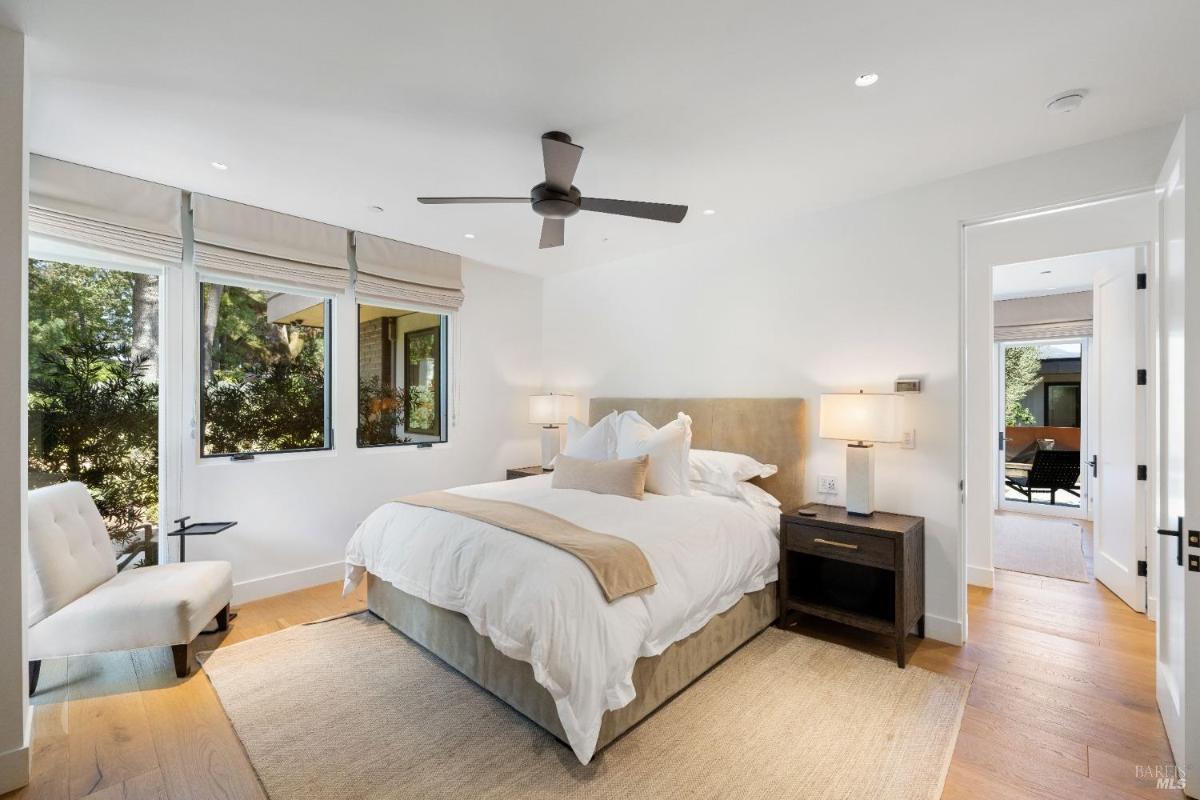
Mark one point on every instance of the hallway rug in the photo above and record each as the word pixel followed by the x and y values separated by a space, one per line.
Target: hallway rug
pixel 1040 546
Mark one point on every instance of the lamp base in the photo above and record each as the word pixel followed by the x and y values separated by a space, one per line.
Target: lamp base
pixel 860 479
pixel 551 442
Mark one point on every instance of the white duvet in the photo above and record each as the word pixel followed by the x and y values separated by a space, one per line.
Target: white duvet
pixel 541 605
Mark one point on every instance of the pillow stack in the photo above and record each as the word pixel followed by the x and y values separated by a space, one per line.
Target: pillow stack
pixel 665 455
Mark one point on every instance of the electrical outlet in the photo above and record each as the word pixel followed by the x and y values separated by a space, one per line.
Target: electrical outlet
pixel 908 439
pixel 827 484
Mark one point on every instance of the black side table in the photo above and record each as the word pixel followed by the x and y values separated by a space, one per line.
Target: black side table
pixel 196 529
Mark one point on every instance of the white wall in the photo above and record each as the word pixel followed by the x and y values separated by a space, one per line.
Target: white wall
pixel 840 299
pixel 14 707
pixel 295 512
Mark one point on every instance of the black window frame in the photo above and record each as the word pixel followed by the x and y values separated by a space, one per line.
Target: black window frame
pixel 327 301
pixel 444 333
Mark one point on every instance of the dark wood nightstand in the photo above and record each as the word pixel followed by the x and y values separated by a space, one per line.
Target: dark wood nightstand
pixel 868 572
pixel 524 472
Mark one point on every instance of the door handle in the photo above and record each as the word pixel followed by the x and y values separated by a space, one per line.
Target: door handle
pixel 1094 465
pixel 1000 440
pixel 1178 534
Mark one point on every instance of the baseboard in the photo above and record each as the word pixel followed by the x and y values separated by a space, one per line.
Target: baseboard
pixel 945 630
pixel 981 576
pixel 285 582
pixel 15 764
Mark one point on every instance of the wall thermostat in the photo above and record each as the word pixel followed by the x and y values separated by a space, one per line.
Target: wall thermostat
pixel 908 385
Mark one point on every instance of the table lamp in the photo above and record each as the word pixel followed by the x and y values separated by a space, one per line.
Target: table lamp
pixel 550 411
pixel 861 419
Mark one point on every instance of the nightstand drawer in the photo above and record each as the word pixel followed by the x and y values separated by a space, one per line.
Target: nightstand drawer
pixel 858 548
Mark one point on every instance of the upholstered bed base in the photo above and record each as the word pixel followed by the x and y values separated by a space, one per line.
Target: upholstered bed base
pixel 449 636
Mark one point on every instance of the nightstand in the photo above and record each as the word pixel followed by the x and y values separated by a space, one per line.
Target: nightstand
pixel 524 472
pixel 866 572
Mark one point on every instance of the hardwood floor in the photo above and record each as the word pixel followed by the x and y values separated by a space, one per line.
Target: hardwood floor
pixel 1061 705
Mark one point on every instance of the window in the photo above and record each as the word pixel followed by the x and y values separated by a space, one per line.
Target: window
pixel 401 376
pixel 1063 406
pixel 264 371
pixel 93 394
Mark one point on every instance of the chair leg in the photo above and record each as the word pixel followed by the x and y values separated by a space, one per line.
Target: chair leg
pixel 183 658
pixel 35 672
pixel 223 619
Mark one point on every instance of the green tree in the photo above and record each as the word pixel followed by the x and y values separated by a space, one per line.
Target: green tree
pixel 265 384
pixel 94 418
pixel 1022 372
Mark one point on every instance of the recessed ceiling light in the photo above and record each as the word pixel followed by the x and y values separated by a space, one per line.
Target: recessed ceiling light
pixel 468 236
pixel 708 212
pixel 866 79
pixel 1051 288
pixel 375 209
pixel 1046 271
pixel 219 165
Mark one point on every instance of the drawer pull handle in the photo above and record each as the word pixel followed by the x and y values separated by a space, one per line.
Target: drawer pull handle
pixel 836 544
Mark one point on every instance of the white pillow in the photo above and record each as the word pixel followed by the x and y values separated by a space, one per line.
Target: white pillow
pixel 597 443
pixel 668 448
pixel 722 472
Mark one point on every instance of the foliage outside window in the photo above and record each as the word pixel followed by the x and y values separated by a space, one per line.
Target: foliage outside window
pixel 93 393
pixel 1022 372
pixel 263 371
pixel 401 376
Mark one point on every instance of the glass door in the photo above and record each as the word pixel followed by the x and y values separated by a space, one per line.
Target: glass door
pixel 94 332
pixel 1042 431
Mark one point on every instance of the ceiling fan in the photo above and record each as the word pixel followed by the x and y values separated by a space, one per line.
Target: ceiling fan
pixel 555 199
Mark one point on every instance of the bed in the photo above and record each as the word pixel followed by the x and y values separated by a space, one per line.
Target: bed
pixel 522 620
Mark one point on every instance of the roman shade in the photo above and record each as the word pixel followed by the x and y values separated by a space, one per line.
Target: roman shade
pixel 1067 329
pixel 99 210
pixel 397 271
pixel 1056 316
pixel 233 238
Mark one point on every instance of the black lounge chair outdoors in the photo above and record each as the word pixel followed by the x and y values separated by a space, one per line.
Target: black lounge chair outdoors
pixel 1052 471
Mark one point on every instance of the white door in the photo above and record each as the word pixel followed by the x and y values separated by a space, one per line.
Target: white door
pixel 1177 669
pixel 1118 532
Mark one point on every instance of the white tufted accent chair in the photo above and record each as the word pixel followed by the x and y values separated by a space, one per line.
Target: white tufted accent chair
pixel 81 604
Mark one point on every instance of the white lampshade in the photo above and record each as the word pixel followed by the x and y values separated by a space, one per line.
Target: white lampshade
pixel 550 409
pixel 860 417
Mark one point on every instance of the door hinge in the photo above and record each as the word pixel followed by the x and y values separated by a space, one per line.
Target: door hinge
pixel 1141 280
pixel 1141 377
pixel 1142 569
pixel 1142 472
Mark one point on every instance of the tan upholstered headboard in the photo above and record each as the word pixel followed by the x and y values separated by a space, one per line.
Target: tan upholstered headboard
pixel 769 429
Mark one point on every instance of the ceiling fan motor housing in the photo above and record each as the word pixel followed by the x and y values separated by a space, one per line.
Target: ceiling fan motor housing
pixel 554 204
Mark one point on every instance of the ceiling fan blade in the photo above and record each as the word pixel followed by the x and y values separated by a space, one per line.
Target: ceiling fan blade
pixel 561 159
pixel 446 200
pixel 663 212
pixel 553 231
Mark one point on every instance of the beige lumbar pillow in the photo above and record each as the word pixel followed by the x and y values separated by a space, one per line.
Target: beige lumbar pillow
pixel 626 476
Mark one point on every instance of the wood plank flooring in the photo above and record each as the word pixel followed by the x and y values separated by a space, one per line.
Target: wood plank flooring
pixel 1061 704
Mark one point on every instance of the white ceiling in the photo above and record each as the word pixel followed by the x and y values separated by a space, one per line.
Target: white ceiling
pixel 1062 275
pixel 323 109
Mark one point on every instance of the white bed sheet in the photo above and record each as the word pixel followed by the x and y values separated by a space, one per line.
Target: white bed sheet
pixel 541 605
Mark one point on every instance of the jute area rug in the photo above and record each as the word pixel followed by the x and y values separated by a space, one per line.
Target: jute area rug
pixel 1049 547
pixel 350 708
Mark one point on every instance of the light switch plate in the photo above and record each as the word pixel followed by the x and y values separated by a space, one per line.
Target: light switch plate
pixel 827 484
pixel 908 439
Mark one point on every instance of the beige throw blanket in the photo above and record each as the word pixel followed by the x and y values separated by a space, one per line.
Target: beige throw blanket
pixel 619 565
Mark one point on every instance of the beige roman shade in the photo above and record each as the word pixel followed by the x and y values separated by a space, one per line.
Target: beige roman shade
pixel 397 271
pixel 99 210
pixel 1056 316
pixel 241 240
